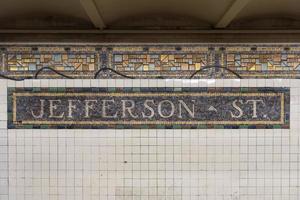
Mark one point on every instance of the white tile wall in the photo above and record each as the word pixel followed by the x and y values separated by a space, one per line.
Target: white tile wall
pixel 150 164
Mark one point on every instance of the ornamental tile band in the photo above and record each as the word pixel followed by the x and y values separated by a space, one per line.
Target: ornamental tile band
pixel 137 108
pixel 26 61
pixel 59 61
pixel 153 61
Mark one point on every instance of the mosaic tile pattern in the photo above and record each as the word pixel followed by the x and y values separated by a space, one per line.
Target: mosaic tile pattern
pixel 69 60
pixel 148 108
pixel 2 62
pixel 154 61
pixel 159 62
pixel 61 62
pixel 276 62
pixel 164 61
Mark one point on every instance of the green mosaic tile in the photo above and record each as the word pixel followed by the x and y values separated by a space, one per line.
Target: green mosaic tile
pixel 9 116
pixel 243 89
pixel 36 89
pixel 10 90
pixel 136 89
pixel 243 126
pixel 44 126
pixel 61 89
pixel 27 126
pixel 52 89
pixel 277 126
pixel 177 89
pixel 144 127
pixel 176 127
pixel 218 126
pixel 201 126
pixel 111 89
pixel 160 126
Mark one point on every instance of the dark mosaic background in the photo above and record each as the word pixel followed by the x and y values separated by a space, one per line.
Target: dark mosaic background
pixel 220 110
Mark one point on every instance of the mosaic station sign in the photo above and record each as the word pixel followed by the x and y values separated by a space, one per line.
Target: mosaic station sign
pixel 148 108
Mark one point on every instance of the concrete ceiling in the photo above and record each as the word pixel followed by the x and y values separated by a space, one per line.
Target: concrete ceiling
pixel 149 14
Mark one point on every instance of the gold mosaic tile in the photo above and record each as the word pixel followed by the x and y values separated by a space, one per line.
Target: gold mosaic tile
pixel 158 62
pixel 58 61
pixel 263 62
pixel 150 61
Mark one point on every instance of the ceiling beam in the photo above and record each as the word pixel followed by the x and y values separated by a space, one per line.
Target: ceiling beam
pixel 231 13
pixel 93 12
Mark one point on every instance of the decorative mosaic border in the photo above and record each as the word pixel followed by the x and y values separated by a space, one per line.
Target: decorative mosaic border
pixel 153 61
pixel 282 124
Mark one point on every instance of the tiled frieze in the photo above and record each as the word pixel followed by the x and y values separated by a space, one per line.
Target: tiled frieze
pixel 154 61
pixel 159 62
pixel 61 62
pixel 268 61
pixel 74 61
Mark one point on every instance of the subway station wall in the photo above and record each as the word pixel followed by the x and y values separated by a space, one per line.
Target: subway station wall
pixel 223 162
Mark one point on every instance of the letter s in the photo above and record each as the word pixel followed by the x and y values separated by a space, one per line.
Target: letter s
pixel 237 108
pixel 148 108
